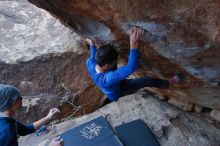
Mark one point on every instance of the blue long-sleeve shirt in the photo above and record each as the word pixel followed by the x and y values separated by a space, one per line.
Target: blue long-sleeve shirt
pixel 109 81
pixel 10 128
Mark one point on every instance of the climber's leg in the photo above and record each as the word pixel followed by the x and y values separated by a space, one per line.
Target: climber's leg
pixel 129 86
pixel 104 101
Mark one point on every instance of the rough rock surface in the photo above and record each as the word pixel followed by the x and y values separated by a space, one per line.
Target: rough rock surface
pixel 45 61
pixel 181 36
pixel 198 109
pixel 215 114
pixel 171 126
pixel 27 31
pixel 183 106
pixel 48 81
pixel 42 58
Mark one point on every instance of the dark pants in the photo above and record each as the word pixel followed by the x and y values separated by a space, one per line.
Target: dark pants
pixel 130 86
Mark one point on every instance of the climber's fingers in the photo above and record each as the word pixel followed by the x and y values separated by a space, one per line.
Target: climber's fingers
pixel 142 32
pixel 131 31
pixel 136 32
pixel 139 32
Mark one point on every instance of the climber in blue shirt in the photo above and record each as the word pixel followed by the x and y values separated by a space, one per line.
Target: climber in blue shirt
pixel 10 128
pixel 102 67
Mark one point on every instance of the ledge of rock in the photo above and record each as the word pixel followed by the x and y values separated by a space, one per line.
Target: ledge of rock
pixel 181 36
pixel 170 125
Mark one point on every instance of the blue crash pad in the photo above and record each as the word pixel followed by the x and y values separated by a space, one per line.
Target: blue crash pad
pixel 93 133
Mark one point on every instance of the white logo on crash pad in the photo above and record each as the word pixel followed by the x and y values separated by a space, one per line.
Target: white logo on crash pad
pixel 91 131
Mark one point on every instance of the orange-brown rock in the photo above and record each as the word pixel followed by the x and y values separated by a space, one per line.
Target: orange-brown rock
pixel 181 36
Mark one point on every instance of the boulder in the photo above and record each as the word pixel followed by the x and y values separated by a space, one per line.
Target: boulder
pixel 27 31
pixel 181 36
pixel 44 60
pixel 49 80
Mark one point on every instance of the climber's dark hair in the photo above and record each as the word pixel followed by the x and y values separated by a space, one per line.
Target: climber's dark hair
pixel 106 54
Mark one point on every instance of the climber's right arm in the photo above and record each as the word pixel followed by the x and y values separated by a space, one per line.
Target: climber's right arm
pixel 93 48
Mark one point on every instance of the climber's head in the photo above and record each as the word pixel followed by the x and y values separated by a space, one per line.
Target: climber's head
pixel 10 99
pixel 106 58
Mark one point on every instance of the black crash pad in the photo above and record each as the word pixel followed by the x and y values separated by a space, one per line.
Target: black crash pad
pixel 136 133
